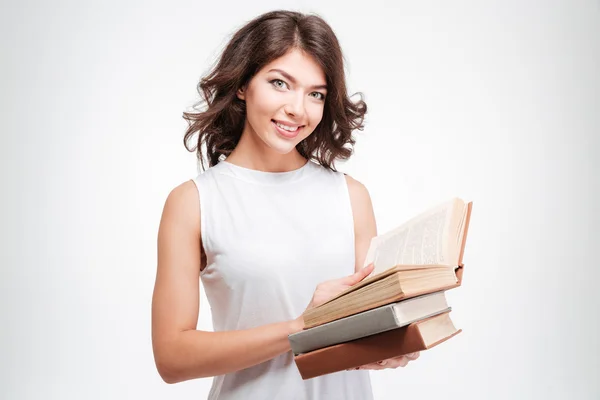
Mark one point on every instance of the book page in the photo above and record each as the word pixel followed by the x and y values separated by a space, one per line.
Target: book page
pixel 417 242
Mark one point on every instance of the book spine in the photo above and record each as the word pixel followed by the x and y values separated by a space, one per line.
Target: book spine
pixel 344 330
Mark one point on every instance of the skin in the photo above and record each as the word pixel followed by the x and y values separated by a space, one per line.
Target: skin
pixel 181 352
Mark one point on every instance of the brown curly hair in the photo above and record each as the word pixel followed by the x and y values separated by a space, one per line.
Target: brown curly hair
pixel 262 40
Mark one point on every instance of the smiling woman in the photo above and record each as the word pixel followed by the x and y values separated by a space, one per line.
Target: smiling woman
pixel 289 108
pixel 271 228
pixel 288 59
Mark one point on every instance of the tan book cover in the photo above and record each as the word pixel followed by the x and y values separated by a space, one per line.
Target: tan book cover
pixel 418 336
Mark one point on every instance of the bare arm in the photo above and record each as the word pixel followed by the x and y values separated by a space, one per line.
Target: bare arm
pixel 365 227
pixel 181 352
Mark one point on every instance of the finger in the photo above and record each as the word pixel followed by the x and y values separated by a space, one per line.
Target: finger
pixel 372 366
pixel 382 364
pixel 392 363
pixel 409 356
pixel 359 275
pixel 398 362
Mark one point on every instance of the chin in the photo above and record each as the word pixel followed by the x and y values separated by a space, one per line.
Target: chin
pixel 281 148
pixel 281 145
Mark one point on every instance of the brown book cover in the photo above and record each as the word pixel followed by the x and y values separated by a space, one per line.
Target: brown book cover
pixel 373 348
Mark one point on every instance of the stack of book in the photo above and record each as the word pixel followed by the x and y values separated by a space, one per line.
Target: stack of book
pixel 401 307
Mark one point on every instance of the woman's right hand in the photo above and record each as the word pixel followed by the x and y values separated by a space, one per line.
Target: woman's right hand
pixel 328 289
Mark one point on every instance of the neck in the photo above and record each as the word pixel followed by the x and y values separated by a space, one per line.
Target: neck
pixel 251 152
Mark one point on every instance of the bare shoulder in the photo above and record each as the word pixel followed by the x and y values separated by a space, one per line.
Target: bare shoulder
pixel 184 193
pixel 182 203
pixel 357 190
pixel 365 227
pixel 181 215
pixel 360 198
pixel 362 207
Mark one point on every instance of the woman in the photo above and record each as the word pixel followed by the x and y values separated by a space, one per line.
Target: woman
pixel 269 221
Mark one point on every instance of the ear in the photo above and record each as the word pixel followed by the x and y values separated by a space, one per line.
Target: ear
pixel 241 93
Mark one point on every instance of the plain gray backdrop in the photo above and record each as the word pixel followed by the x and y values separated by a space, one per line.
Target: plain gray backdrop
pixel 493 101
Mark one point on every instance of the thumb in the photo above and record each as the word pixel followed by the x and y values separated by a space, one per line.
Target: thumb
pixel 360 275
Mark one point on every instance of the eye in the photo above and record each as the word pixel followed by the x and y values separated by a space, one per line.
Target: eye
pixel 320 95
pixel 278 83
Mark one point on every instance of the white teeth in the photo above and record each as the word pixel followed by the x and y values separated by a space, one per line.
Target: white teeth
pixel 287 128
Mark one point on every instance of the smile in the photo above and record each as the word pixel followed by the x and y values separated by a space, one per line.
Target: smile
pixel 287 131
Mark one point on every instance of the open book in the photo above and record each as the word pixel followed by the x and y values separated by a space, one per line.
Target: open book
pixel 420 256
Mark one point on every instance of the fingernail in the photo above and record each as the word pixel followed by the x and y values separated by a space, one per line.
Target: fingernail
pixel 382 362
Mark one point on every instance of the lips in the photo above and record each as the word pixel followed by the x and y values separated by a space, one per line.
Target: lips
pixel 287 134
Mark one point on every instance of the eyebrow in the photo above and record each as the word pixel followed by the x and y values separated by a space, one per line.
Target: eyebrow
pixel 293 80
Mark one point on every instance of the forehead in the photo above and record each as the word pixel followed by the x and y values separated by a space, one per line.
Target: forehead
pixel 303 67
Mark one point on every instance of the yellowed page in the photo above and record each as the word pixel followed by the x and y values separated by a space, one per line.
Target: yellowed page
pixel 420 241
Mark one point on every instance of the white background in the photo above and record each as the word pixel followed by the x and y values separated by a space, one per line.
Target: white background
pixel 497 102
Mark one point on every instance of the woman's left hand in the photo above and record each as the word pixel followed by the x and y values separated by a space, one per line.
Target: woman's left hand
pixel 395 362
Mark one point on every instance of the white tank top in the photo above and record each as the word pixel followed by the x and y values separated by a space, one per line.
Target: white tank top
pixel 270 238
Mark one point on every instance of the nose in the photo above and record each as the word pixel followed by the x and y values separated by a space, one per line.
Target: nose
pixel 295 106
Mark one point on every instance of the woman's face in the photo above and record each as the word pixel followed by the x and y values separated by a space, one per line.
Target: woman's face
pixel 285 101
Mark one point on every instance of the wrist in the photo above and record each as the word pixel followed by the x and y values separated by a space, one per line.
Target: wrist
pixel 296 325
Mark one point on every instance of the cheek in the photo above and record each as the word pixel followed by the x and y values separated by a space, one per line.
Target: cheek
pixel 260 104
pixel 268 100
pixel 315 115
pixel 313 120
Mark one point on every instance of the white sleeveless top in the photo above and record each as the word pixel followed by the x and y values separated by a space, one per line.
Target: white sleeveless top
pixel 270 238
